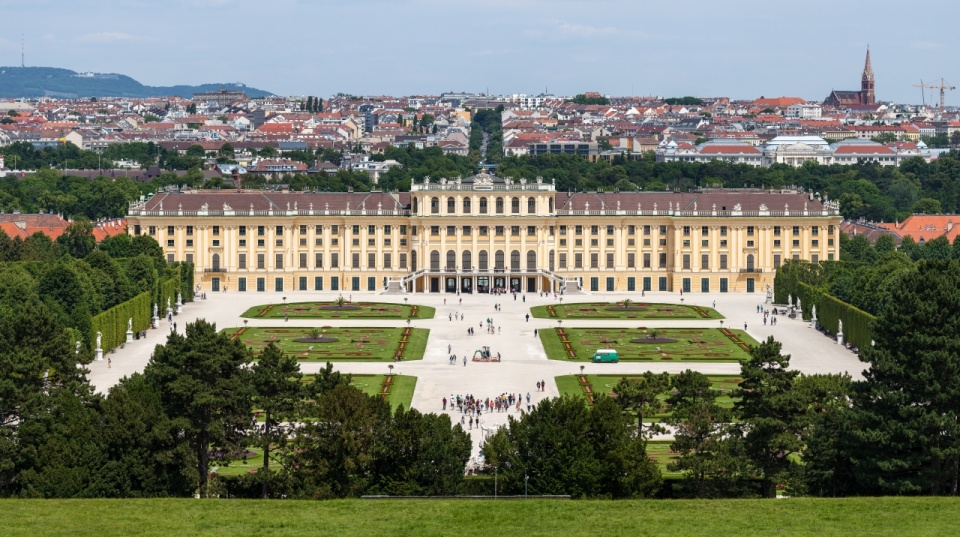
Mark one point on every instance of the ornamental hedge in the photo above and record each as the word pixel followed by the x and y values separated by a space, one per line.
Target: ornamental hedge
pixel 857 324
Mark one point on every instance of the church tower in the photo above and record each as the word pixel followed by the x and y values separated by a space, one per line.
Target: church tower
pixel 866 83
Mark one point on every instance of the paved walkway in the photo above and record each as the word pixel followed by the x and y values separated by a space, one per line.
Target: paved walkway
pixel 524 361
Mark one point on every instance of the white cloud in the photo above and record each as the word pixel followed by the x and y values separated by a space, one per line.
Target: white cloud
pixel 111 37
pixel 584 31
pixel 925 45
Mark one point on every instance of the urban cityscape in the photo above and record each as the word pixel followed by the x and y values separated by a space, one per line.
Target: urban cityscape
pixel 565 311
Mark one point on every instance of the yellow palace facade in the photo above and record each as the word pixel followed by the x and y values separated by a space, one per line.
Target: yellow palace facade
pixel 485 233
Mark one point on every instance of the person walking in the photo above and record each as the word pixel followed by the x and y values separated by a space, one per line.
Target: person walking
pixel 444 403
pixel 534 332
pixel 528 317
pixel 464 360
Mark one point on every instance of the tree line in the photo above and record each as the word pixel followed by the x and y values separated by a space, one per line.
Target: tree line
pixel 866 190
pixel 73 278
pixel 203 399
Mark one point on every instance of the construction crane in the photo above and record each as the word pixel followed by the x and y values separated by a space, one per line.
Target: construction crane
pixel 942 87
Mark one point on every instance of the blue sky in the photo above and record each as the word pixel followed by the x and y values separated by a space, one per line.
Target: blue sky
pixel 731 48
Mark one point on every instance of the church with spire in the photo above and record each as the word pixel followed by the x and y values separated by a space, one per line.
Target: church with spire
pixel 864 97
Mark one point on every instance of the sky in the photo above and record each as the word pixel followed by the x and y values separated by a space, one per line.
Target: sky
pixel 734 48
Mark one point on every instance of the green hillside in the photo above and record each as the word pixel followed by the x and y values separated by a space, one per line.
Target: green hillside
pixel 66 84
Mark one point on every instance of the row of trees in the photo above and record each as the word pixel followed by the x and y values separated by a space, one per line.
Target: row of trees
pixel 159 433
pixel 868 190
pixel 894 432
pixel 75 279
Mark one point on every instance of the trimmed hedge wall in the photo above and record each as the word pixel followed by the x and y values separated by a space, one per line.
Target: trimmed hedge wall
pixel 113 322
pixel 857 324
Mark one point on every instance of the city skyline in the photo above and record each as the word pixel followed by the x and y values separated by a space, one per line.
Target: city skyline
pixel 741 50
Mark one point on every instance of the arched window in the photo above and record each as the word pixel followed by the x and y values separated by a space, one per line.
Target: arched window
pixel 499 204
pixel 498 260
pixel 515 260
pixel 515 206
pixel 215 261
pixel 550 204
pixel 451 260
pixel 531 206
pixel 466 206
pixel 415 205
pixel 532 260
pixel 483 205
pixel 482 260
pixel 750 262
pixel 434 206
pixel 435 260
pixel 451 205
pixel 551 260
pixel 467 261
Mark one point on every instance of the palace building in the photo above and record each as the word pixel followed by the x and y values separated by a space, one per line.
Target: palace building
pixel 486 232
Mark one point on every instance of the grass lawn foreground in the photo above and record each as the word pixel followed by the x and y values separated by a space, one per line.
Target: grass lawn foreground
pixel 641 344
pixel 354 344
pixel 333 310
pixel 803 517
pixel 616 310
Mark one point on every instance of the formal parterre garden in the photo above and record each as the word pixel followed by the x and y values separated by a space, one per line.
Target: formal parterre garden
pixel 588 386
pixel 337 310
pixel 648 344
pixel 327 343
pixel 619 310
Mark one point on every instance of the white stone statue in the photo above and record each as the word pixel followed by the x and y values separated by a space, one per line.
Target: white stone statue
pixel 99 336
pixel 839 326
pixel 813 312
pixel 130 324
pixel 179 298
pixel 799 307
pixel 168 302
pixel 155 310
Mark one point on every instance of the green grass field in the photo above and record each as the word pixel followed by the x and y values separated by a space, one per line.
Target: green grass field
pixel 570 385
pixel 688 345
pixel 801 517
pixel 353 344
pixel 615 310
pixel 330 310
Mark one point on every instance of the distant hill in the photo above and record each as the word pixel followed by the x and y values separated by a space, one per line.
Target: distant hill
pixel 66 84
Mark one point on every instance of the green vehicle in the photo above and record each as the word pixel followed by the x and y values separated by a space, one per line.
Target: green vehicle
pixel 606 356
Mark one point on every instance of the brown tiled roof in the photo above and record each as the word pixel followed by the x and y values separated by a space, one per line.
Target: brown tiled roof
pixel 263 200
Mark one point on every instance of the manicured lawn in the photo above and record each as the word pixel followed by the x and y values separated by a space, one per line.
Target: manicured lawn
pixel 570 385
pixel 796 517
pixel 401 389
pixel 350 310
pixel 353 344
pixel 615 310
pixel 660 452
pixel 637 344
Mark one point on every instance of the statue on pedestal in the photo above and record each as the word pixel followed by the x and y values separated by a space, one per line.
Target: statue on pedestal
pixel 130 324
pixel 99 336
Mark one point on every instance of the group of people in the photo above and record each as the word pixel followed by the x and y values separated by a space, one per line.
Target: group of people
pixel 455 315
pixel 473 407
